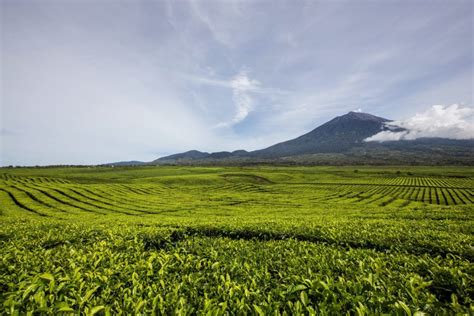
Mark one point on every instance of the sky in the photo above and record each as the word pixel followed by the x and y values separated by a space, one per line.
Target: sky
pixel 87 82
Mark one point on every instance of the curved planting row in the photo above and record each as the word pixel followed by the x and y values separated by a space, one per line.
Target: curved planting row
pixel 428 182
pixel 370 194
pixel 47 199
pixel 34 180
pixel 56 197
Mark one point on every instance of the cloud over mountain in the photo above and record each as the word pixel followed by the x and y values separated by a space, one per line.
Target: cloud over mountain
pixel 454 121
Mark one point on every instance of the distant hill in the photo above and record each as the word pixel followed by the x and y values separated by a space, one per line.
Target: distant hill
pixel 189 155
pixel 195 155
pixel 341 141
pixel 125 163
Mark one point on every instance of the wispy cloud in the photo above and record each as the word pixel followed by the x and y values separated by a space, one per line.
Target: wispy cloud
pixel 243 89
pixel 220 18
pixel 454 121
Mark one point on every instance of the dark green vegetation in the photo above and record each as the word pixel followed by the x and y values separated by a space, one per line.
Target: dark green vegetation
pixel 262 240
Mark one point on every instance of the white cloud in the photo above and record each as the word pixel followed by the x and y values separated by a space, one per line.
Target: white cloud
pixel 242 87
pixel 454 121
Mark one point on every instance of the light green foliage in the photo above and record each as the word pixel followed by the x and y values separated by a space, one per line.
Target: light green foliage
pixel 260 240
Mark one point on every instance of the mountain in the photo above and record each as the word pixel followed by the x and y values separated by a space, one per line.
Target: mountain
pixel 195 155
pixel 124 163
pixel 341 141
pixel 189 155
pixel 336 136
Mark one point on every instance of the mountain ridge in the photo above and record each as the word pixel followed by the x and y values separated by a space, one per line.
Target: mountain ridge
pixel 336 135
pixel 341 140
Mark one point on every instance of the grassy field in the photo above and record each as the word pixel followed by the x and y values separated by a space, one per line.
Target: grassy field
pixel 228 240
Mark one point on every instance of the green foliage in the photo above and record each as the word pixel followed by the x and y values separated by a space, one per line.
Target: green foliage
pixel 259 240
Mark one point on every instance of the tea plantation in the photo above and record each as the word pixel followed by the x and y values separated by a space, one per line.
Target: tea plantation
pixel 237 240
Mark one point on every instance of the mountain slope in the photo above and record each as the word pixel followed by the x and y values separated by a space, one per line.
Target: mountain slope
pixel 124 163
pixel 188 155
pixel 341 141
pixel 193 155
pixel 335 136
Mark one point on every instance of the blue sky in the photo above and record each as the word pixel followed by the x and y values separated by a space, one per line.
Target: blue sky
pixel 98 81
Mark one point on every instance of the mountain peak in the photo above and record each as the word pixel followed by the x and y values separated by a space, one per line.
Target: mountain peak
pixel 343 136
pixel 338 135
pixel 362 116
